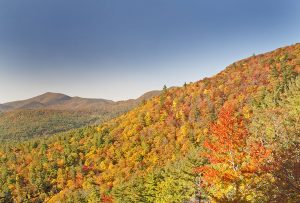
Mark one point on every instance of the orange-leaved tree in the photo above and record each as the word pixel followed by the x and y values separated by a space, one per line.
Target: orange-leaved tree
pixel 235 161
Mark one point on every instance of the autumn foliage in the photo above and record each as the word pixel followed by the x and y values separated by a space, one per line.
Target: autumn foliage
pixel 233 137
pixel 230 154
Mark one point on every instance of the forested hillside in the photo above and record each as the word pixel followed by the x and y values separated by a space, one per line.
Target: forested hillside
pixel 51 113
pixel 233 137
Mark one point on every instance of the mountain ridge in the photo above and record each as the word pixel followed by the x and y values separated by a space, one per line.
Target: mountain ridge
pixel 51 100
pixel 51 113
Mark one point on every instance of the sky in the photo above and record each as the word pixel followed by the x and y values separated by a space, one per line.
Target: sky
pixel 116 49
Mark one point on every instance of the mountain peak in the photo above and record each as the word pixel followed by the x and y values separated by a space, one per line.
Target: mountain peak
pixel 52 94
pixel 50 98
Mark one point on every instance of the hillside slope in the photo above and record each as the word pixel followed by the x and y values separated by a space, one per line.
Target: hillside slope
pixel 233 137
pixel 51 113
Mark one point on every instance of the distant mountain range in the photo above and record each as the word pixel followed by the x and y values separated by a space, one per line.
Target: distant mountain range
pixel 60 101
pixel 54 112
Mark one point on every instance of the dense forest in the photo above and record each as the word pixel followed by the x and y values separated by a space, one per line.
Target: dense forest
pixel 234 137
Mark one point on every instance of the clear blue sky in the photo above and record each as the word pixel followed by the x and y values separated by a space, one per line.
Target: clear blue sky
pixel 118 49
